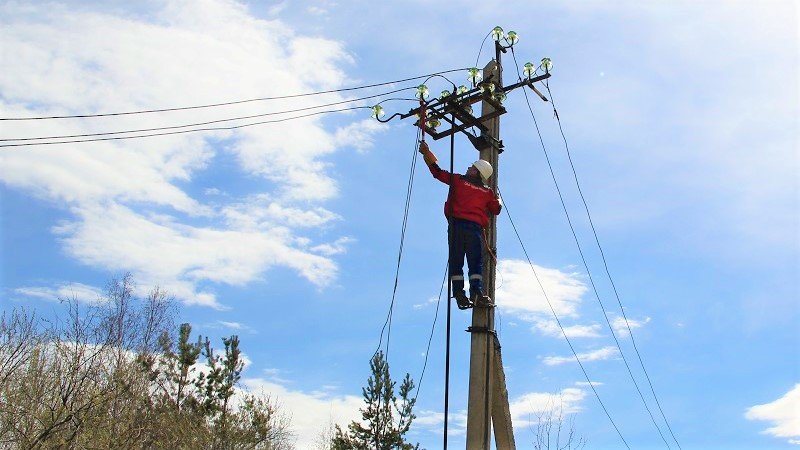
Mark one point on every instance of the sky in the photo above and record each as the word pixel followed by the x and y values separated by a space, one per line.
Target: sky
pixel 682 123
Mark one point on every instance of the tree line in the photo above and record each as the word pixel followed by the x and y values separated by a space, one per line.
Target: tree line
pixel 119 373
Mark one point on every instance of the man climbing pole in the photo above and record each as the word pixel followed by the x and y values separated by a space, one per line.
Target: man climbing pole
pixel 468 205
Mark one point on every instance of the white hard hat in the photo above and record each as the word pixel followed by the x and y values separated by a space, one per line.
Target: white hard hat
pixel 484 168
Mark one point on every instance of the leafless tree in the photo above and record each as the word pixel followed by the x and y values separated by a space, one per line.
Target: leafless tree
pixel 113 374
pixel 555 430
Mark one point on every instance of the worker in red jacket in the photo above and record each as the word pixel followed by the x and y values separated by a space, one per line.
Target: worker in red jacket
pixel 468 206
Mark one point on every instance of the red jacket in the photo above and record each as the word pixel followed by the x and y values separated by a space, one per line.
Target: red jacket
pixel 470 201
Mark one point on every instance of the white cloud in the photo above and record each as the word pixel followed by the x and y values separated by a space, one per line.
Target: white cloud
pixel 433 422
pixel 277 8
pixel 521 293
pixel 131 211
pixel 263 212
pixel 359 135
pixel 784 413
pixel 621 328
pixel 587 383
pixel 336 247
pixel 551 328
pixel 525 408
pixel 235 326
pixel 77 291
pixel 426 303
pixel 594 355
pixel 310 412
pixel 176 257
pixel 522 408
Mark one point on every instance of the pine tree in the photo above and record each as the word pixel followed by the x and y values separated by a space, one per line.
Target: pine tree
pixel 380 429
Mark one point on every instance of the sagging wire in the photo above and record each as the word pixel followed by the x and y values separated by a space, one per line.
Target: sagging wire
pixel 196 130
pixel 558 321
pixel 605 265
pixel 586 265
pixel 430 337
pixel 174 127
pixel 387 325
pixel 236 102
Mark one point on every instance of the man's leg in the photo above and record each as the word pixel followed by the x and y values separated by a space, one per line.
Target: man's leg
pixel 474 247
pixel 456 264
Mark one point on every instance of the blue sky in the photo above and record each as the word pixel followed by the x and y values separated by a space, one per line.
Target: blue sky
pixel 682 119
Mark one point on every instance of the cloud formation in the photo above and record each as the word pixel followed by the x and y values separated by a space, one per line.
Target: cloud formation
pixel 80 292
pixel 132 201
pixel 311 412
pixel 784 413
pixel 594 355
pixel 526 408
pixel 520 292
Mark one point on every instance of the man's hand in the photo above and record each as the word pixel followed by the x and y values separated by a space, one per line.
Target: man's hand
pixel 429 157
pixel 423 147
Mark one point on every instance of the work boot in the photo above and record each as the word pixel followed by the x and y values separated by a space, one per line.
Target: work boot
pixel 478 299
pixel 461 300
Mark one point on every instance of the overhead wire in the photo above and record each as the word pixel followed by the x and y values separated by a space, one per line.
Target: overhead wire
pixel 477 58
pixel 235 102
pixel 430 336
pixel 197 124
pixel 585 264
pixel 605 265
pixel 387 325
pixel 195 130
pixel 558 321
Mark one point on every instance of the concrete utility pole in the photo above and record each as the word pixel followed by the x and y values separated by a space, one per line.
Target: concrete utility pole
pixel 487 404
pixel 488 397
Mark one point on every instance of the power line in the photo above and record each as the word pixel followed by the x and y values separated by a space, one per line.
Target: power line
pixel 605 264
pixel 477 58
pixel 430 337
pixel 173 127
pixel 387 324
pixel 585 264
pixel 236 102
pixel 168 133
pixel 558 321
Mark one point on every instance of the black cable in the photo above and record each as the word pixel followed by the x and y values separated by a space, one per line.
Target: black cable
pixel 585 264
pixel 558 321
pixel 605 264
pixel 450 229
pixel 143 130
pixel 167 133
pixel 387 324
pixel 236 102
pixel 430 337
pixel 477 59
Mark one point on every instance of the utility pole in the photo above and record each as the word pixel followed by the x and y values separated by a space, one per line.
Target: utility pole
pixel 488 396
pixel 487 403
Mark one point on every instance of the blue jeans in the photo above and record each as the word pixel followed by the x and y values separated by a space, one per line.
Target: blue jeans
pixel 465 238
